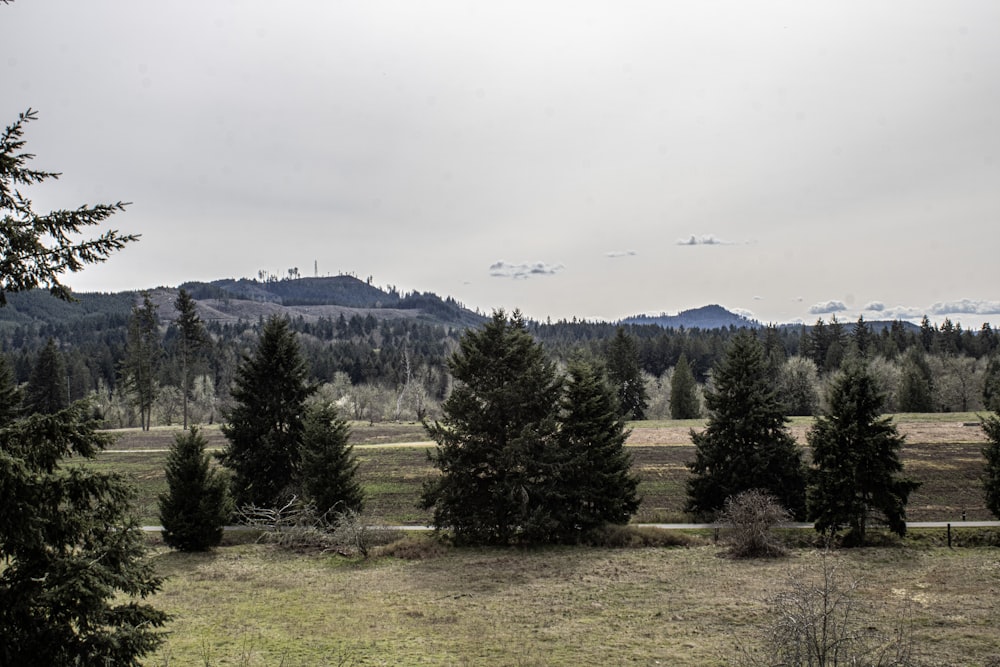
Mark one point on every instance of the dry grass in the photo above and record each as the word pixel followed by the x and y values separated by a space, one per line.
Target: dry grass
pixel 254 605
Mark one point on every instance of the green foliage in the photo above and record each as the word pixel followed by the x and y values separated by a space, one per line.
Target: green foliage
pixel 746 443
pixel 856 464
pixel 72 558
pixel 328 468
pixel 626 376
pixel 916 386
pixel 265 426
pixel 142 358
pixel 991 474
pixel 991 384
pixel 191 340
pixel 47 390
pixel 683 392
pixel 592 484
pixel 38 248
pixel 10 397
pixel 797 386
pixel 495 438
pixel 197 505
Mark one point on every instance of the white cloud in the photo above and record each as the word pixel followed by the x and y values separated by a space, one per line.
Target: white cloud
pixel 827 307
pixel 705 239
pixel 966 306
pixel 621 253
pixel 758 298
pixel 875 306
pixel 525 270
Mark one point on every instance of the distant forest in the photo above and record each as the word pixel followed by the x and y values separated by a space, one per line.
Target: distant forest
pixel 397 368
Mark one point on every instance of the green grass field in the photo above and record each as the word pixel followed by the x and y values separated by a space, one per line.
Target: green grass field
pixel 943 452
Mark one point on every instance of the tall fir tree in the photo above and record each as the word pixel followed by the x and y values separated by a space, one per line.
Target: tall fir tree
pixel 856 465
pixel 47 391
pixel 991 472
pixel 593 484
pixel 10 395
pixel 495 435
pixel 684 402
pixel 328 465
pixel 626 375
pixel 265 426
pixel 746 443
pixel 916 383
pixel 142 358
pixel 191 340
pixel 73 571
pixel 196 505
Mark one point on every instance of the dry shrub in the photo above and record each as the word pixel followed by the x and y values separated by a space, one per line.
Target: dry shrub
pixel 750 519
pixel 298 525
pixel 415 547
pixel 822 620
pixel 618 536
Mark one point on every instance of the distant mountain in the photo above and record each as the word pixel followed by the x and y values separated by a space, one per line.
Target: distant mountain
pixel 706 317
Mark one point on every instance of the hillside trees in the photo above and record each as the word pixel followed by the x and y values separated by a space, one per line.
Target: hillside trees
pixel 142 359
pixel 916 384
pixel 746 443
pixel 264 428
pixel 196 505
pixel 856 465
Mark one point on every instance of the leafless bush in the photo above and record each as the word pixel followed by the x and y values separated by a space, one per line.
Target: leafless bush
pixel 352 532
pixel 298 525
pixel 822 620
pixel 750 518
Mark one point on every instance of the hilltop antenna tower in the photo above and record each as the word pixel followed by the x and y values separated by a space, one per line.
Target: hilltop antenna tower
pixel 315 268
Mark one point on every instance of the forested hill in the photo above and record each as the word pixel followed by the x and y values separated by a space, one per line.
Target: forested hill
pixel 230 300
pixel 706 317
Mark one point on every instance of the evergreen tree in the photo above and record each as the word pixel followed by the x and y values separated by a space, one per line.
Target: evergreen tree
pixel 142 358
pixel 36 249
pixel 329 467
pixel 856 465
pixel 991 384
pixel 72 556
pixel 47 391
pixel 991 474
pixel 861 337
pixel 10 396
pixel 746 444
pixel 683 392
pixel 495 437
pixel 625 374
pixel 197 505
pixel 265 426
pixel 191 339
pixel 593 485
pixel 916 384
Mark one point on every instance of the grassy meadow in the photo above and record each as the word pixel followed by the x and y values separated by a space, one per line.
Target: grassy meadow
pixel 419 602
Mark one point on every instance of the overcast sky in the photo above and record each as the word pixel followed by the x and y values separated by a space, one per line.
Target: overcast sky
pixel 790 160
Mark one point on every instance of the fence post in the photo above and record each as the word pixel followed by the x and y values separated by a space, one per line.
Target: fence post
pixel 949 536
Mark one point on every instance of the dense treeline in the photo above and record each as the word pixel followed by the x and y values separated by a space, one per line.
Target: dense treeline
pixel 392 368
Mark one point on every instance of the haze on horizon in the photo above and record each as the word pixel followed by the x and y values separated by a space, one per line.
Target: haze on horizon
pixel 785 160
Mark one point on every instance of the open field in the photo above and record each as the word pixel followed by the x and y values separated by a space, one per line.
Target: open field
pixel 256 606
pixel 942 452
